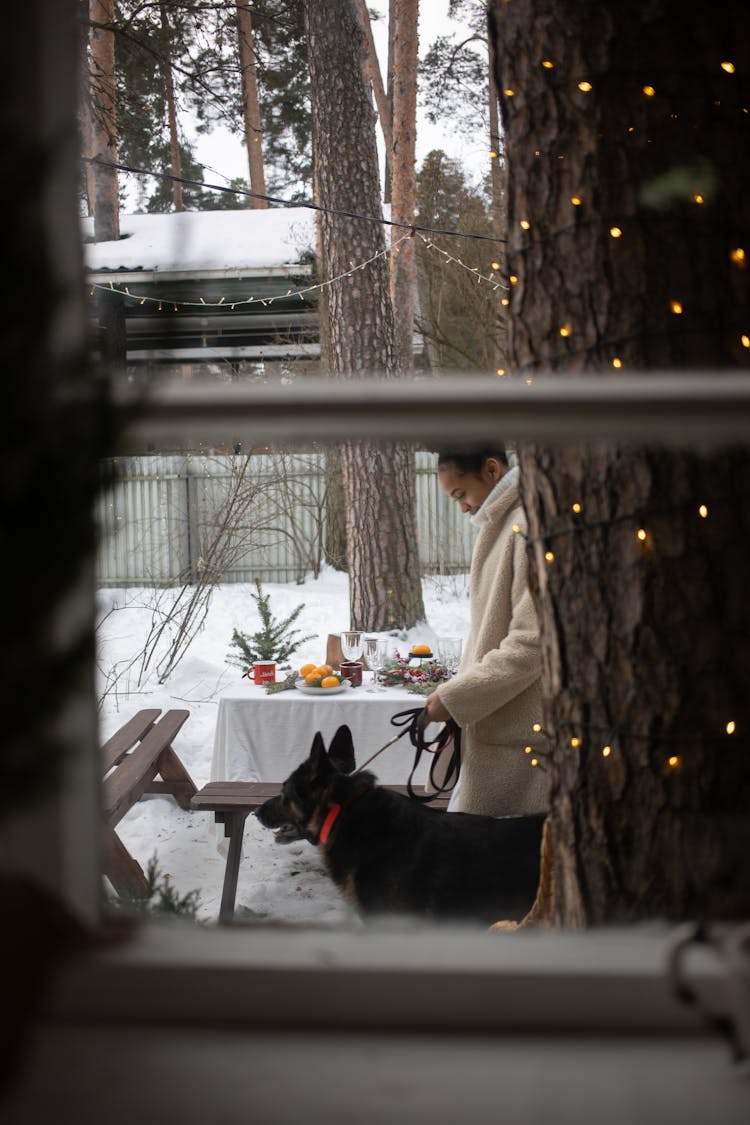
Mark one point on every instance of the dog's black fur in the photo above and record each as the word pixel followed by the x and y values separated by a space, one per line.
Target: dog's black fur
pixel 388 853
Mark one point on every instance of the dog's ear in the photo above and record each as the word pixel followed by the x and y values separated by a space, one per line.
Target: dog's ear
pixel 341 750
pixel 318 755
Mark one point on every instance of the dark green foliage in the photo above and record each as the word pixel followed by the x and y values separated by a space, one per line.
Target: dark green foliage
pixel 161 897
pixel 274 641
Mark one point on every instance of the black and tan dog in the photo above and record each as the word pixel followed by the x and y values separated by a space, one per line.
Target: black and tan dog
pixel 390 854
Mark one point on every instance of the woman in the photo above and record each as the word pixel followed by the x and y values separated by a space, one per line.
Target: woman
pixel 495 697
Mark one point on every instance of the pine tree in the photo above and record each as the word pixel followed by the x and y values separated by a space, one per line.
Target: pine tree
pixel 275 640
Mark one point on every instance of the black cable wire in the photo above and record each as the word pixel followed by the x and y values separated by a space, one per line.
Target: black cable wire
pixel 302 204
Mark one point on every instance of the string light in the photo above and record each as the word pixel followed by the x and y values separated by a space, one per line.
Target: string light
pixel 745 341
pixel 501 371
pixel 495 265
pixel 642 534
pixel 527 749
pixel 576 200
pixel 616 232
pixel 516 528
pixel 547 64
pixel 509 93
pixel 729 67
pixel 565 330
pixel 535 761
pixel 606 751
pixel 697 198
pixel 513 279
pixel 549 556
pixel 676 307
pixel 703 511
pixel 649 91
pixel 585 87
pixel 577 508
pixel 575 742
pixel 537 728
pixel 617 362
pixel 731 727
pixel 737 255
pixel 673 761
pixel 524 224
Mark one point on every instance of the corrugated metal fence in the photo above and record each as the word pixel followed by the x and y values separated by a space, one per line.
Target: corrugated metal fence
pixel 168 519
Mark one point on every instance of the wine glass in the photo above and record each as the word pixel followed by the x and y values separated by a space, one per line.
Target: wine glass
pixel 449 653
pixel 352 645
pixel 371 654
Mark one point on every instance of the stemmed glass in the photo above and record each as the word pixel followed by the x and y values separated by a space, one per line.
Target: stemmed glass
pixel 374 652
pixel 352 645
pixel 449 653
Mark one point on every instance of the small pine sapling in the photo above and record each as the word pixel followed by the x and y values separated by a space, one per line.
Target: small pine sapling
pixel 275 640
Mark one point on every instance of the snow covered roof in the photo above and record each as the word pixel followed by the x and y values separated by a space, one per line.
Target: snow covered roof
pixel 236 242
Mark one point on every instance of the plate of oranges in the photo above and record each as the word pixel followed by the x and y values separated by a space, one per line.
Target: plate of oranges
pixel 320 679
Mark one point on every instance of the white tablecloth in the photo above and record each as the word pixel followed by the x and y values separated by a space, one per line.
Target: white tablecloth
pixel 262 737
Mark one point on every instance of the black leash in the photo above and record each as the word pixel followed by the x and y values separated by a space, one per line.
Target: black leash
pixel 414 721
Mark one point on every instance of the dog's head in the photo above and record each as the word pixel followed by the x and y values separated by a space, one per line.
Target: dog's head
pixel 299 810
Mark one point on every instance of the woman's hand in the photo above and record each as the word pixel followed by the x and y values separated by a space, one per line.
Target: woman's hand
pixel 435 709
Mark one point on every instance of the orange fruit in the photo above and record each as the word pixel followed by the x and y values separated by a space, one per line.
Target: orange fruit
pixel 420 650
pixel 313 678
pixel 306 669
pixel 330 681
pixel 325 669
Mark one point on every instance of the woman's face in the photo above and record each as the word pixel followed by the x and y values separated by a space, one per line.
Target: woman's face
pixel 470 490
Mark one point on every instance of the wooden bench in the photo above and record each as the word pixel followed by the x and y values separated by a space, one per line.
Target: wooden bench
pixel 231 802
pixel 131 760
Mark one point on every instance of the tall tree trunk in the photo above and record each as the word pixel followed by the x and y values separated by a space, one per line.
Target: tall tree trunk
pixel 109 306
pixel 404 179
pixel 104 119
pixel 175 158
pixel 497 190
pixel 378 480
pixel 251 107
pixel 642 596
pixel 375 78
pixel 389 94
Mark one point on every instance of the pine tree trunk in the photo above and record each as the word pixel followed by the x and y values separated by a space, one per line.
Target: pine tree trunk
pixel 251 107
pixel 378 485
pixel 175 158
pixel 375 78
pixel 642 600
pixel 404 180
pixel 104 120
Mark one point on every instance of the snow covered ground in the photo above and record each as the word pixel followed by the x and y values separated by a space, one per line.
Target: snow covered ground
pixel 276 883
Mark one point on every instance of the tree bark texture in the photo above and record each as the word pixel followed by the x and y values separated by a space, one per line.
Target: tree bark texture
pixel 104 119
pixel 375 78
pixel 251 107
pixel 403 173
pixel 642 600
pixel 378 484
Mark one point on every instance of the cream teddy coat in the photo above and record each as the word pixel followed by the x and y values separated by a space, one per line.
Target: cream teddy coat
pixel 495 696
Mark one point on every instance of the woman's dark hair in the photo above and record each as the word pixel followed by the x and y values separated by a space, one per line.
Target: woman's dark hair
pixel 471 461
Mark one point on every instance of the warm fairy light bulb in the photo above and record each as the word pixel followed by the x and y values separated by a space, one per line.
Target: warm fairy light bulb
pixel 493 154
pixel 505 301
pixel 513 279
pixel 642 534
pixel 529 381
pixel 565 330
pixel 731 727
pixel 729 67
pixel 527 749
pixel 501 371
pixel 549 556
pixel 547 64
pixel 697 198
pixel 703 511
pixel 524 224
pixel 585 87
pixel 673 761
pixel 649 91
pixel 617 362
pixel 575 741
pixel 616 232
pixel 737 255
pixel 606 751
pixel 535 761
pixel 576 200
pixel 676 307
pixel 537 727
pixel 509 93
pixel 745 341
pixel 577 508
pixel 496 265
pixel 516 528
